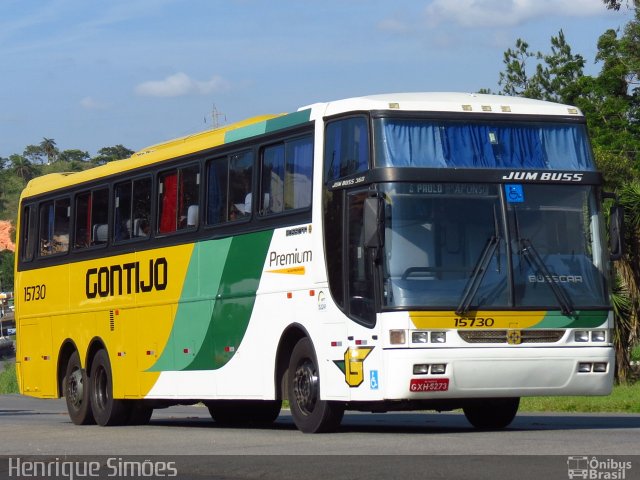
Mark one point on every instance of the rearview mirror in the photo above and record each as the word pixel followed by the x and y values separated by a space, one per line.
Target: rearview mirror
pixel 616 231
pixel 373 218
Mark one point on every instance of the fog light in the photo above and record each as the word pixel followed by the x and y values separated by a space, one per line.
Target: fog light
pixel 438 368
pixel 421 369
pixel 397 337
pixel 438 337
pixel 600 367
pixel 420 337
pixel 584 367
pixel 581 336
pixel 598 336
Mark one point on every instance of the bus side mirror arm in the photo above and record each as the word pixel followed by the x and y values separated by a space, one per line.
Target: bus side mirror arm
pixel 616 227
pixel 373 219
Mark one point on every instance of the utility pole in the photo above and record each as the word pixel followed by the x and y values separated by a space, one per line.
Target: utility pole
pixel 215 117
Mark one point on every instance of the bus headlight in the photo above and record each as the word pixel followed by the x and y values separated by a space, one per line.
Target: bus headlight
pixel 420 337
pixel 438 337
pixel 598 336
pixel 581 336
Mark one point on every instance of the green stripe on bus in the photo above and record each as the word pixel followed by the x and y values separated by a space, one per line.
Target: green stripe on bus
pixel 234 301
pixel 194 314
pixel 580 319
pixel 268 126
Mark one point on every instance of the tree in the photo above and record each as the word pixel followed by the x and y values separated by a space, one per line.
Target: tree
pixel 109 154
pixel 74 156
pixel 6 270
pixel 22 167
pixel 515 80
pixel 49 148
pixel 35 154
pixel 559 78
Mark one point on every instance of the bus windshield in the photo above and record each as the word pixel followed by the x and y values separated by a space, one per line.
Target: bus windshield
pixel 441 144
pixel 460 246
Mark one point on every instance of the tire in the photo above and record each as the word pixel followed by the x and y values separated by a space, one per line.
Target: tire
pixel 244 412
pixel 76 392
pixel 493 413
pixel 139 412
pixel 106 410
pixel 310 414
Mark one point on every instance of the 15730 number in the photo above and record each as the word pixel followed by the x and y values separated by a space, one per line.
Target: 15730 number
pixel 35 292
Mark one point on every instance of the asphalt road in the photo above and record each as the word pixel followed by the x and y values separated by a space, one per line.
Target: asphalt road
pixel 367 445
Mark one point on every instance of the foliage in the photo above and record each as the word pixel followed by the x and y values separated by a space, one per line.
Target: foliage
pixel 6 270
pixel 8 379
pixel 109 154
pixel 37 160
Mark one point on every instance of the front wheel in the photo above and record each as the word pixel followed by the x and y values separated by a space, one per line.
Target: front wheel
pixel 106 410
pixel 310 414
pixel 492 413
pixel 76 392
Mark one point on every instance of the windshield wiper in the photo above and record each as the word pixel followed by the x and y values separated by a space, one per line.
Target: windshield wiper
pixel 531 254
pixel 477 274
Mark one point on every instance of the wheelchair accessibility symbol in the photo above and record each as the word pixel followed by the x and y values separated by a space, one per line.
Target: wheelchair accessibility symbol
pixel 373 379
pixel 514 193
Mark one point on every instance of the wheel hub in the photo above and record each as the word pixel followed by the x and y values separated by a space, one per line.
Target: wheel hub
pixel 305 387
pixel 75 388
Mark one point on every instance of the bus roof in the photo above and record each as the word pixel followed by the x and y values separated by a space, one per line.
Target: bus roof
pixel 448 102
pixel 420 101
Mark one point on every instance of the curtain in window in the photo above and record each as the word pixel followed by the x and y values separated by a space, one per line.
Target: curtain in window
pixel 415 143
pixel 168 221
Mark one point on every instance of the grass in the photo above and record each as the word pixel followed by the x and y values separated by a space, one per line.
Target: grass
pixel 8 379
pixel 623 399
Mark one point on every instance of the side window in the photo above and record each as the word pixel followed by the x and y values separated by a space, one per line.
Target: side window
pixel 346 148
pixel 91 218
pixel 229 195
pixel 132 209
pixel 54 227
pixel 286 176
pixel 240 195
pixel 28 225
pixel 178 199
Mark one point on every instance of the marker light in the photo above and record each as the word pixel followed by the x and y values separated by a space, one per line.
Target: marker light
pixel 581 336
pixel 600 367
pixel 421 369
pixel 584 367
pixel 420 337
pixel 438 337
pixel 397 337
pixel 599 336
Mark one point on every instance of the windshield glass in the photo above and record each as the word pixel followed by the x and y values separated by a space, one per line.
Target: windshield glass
pixel 446 246
pixel 555 241
pixel 440 143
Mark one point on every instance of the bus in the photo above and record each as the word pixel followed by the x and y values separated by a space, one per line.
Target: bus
pixel 411 251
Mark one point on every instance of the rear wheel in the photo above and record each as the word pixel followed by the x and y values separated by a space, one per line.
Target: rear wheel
pixel 76 392
pixel 106 410
pixel 244 412
pixel 310 414
pixel 492 413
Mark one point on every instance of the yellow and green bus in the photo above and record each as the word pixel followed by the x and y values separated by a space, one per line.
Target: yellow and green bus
pixel 391 252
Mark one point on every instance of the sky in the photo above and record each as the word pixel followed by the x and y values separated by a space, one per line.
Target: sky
pixel 93 74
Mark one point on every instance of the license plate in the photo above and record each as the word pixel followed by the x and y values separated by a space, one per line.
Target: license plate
pixel 429 384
